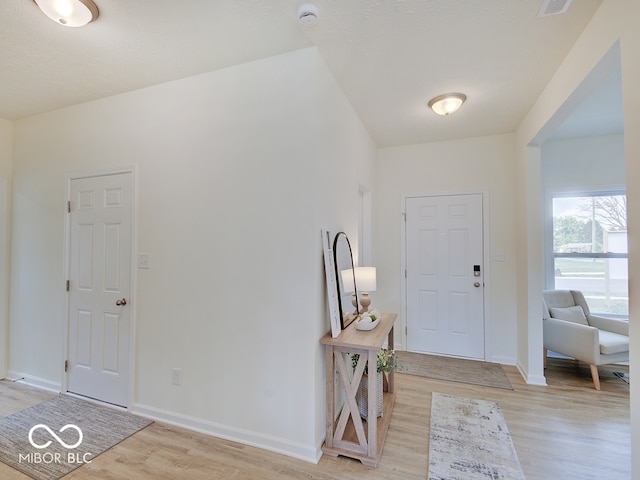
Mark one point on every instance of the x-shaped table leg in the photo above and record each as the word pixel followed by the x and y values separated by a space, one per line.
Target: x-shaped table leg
pixel 350 408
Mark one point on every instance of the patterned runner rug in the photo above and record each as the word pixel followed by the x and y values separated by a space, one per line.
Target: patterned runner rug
pixel 469 440
pixel 50 439
pixel 454 369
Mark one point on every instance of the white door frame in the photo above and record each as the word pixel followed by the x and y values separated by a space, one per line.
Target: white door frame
pixel 67 265
pixel 5 255
pixel 364 227
pixel 485 258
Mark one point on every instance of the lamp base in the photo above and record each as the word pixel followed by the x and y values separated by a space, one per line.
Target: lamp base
pixel 365 301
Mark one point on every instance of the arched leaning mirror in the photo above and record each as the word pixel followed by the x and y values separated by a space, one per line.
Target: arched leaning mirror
pixel 345 278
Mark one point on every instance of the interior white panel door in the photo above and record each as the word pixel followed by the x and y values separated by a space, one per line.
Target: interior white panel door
pixel 444 286
pixel 99 330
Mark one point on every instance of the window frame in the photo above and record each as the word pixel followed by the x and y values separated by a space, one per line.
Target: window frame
pixel 549 254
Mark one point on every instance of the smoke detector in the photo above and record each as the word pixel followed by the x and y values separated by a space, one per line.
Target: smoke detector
pixel 308 14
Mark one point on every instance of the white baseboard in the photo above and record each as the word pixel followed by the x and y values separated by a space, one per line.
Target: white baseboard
pixel 267 442
pixel 34 381
pixel 503 360
pixel 531 379
pixel 307 453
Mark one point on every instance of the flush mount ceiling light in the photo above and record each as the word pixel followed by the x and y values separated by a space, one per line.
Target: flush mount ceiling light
pixel 447 103
pixel 70 13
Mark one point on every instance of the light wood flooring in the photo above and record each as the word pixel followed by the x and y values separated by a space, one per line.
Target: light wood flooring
pixel 567 431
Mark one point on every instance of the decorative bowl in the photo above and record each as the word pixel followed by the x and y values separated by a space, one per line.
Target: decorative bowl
pixel 360 325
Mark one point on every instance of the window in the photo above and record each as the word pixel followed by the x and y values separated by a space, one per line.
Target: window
pixel 590 248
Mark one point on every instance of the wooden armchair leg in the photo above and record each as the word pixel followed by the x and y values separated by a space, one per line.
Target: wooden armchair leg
pixel 595 376
pixel 544 358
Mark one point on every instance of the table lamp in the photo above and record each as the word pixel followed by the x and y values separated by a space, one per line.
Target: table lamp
pixel 365 283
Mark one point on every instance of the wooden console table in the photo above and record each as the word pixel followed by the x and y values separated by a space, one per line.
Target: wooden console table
pixel 346 433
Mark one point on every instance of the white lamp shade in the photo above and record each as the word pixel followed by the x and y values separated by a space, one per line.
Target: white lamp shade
pixel 70 13
pixel 347 280
pixel 365 279
pixel 447 103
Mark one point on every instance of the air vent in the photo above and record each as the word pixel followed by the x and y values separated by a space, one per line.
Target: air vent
pixel 554 7
pixel 308 14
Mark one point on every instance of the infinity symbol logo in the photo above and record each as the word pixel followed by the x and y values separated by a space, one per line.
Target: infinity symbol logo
pixel 57 438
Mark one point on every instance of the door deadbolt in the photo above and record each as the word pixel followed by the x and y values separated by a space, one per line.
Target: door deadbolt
pixel 122 302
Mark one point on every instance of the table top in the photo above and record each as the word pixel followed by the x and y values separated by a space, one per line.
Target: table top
pixel 363 339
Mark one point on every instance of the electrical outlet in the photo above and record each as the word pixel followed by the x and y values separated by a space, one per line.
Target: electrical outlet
pixel 176 376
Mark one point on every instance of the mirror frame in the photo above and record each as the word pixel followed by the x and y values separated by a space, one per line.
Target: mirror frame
pixel 345 318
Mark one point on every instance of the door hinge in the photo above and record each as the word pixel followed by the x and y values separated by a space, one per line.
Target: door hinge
pixel 66 365
pixel 404 216
pixel 405 273
pixel 69 206
pixel 68 286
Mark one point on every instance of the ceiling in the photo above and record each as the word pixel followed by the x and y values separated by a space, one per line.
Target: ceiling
pixel 389 56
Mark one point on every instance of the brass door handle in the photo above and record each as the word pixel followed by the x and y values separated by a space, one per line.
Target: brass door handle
pixel 122 302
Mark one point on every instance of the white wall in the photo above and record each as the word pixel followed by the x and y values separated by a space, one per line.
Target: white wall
pixel 6 146
pixel 615 21
pixel 238 171
pixel 592 162
pixel 479 165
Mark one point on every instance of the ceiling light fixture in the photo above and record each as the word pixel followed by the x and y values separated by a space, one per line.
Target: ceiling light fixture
pixel 447 103
pixel 70 13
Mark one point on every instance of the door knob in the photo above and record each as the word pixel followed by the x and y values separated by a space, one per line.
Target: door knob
pixel 477 284
pixel 122 302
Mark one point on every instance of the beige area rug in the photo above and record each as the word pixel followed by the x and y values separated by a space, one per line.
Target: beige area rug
pixel 469 440
pixel 50 439
pixel 454 369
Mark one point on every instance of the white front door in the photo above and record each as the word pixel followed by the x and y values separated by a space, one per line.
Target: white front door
pixel 101 215
pixel 444 286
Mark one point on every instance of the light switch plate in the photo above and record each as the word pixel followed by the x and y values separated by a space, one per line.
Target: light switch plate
pixel 498 256
pixel 144 260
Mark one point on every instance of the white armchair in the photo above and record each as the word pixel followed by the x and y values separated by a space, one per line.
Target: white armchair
pixel 571 330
